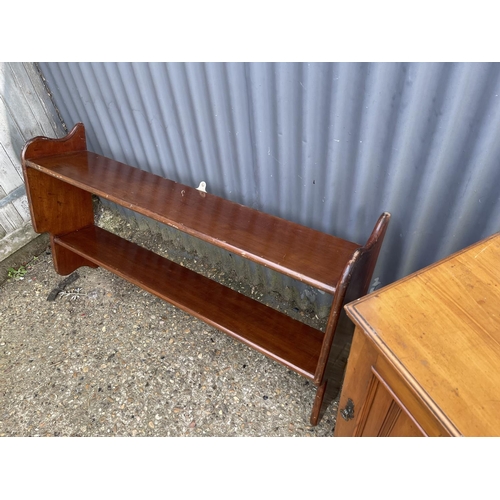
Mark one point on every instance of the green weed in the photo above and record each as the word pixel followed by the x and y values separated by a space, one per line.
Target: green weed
pixel 17 274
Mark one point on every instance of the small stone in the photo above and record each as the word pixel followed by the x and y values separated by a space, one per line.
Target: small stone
pixel 151 425
pixel 192 425
pixel 85 369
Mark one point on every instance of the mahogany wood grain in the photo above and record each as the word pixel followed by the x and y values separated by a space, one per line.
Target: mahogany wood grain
pixel 57 207
pixel 41 146
pixel 276 243
pixel 335 369
pixel 65 261
pixel 270 332
pixel 353 283
pixel 60 176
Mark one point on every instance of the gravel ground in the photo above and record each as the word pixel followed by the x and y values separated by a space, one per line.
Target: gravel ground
pixel 108 359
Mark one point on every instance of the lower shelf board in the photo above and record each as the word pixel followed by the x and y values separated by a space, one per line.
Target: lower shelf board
pixel 270 332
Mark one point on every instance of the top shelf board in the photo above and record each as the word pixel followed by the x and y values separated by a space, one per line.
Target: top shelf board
pixel 307 255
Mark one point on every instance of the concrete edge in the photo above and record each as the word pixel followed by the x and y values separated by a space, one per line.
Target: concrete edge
pixel 23 255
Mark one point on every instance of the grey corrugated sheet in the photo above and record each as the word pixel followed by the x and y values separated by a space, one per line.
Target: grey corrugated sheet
pixel 25 111
pixel 327 145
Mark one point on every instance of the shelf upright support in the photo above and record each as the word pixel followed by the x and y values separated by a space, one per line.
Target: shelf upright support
pixel 56 207
pixel 352 285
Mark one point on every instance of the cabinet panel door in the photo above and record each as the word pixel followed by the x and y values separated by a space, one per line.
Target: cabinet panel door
pixel 415 408
pixel 404 426
pixel 382 416
pixel 377 401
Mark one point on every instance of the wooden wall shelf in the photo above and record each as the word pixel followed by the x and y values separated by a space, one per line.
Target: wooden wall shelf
pixel 60 177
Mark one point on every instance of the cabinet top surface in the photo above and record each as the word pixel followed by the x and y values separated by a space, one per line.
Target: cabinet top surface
pixel 440 328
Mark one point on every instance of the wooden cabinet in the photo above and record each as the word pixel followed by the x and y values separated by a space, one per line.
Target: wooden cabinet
pixel 425 356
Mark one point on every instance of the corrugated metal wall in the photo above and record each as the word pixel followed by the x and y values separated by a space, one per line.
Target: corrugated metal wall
pixel 327 145
pixel 25 111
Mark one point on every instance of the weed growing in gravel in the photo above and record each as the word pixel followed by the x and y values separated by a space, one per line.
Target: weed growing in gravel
pixel 17 274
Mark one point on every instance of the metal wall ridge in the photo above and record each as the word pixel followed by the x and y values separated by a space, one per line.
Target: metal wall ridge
pixel 327 145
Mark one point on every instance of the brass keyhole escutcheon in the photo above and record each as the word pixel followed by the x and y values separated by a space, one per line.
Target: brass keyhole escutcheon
pixel 348 412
